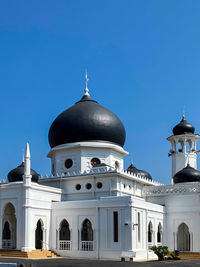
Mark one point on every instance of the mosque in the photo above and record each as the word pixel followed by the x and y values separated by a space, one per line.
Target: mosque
pixel 91 206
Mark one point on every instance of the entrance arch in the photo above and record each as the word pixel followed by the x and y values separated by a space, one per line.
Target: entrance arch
pixel 39 235
pixel 183 238
pixel 9 224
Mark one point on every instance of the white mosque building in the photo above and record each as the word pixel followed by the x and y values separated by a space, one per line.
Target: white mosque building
pixel 91 206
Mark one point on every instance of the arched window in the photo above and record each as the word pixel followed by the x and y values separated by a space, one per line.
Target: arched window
pixel 159 233
pixel 9 225
pixel 150 231
pixel 64 236
pixel 87 236
pixel 64 233
pixel 6 231
pixel 87 232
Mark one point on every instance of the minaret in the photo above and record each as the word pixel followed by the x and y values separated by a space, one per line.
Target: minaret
pixel 183 146
pixel 26 218
pixel 27 167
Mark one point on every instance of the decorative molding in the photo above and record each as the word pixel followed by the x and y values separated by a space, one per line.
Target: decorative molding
pixel 103 170
pixel 171 189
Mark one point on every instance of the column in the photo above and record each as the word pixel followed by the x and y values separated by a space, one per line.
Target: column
pixel 27 246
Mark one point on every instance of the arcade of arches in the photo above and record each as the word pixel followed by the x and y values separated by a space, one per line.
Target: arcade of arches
pixel 9 227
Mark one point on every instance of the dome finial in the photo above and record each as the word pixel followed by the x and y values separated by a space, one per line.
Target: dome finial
pixel 86 84
pixel 183 115
pixel 131 160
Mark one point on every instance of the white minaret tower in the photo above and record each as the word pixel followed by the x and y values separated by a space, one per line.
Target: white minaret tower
pixel 27 167
pixel 183 146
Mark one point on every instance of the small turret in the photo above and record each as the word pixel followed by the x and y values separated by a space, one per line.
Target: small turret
pixel 183 146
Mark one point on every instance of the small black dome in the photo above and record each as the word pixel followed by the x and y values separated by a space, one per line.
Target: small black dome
pixel 183 127
pixel 133 169
pixel 187 174
pixel 16 175
pixel 86 121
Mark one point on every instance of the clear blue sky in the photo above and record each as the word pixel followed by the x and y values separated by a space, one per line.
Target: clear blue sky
pixel 143 61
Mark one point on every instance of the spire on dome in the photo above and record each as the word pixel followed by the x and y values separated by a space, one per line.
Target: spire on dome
pixel 132 160
pixel 86 84
pixel 183 115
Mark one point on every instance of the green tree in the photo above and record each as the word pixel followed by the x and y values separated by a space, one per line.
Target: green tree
pixel 160 251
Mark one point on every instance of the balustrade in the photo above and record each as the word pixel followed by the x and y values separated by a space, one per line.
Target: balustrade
pixel 64 245
pixel 6 243
pixel 87 245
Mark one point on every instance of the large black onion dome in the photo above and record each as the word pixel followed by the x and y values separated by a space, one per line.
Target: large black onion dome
pixel 16 175
pixel 134 170
pixel 183 127
pixel 187 174
pixel 86 120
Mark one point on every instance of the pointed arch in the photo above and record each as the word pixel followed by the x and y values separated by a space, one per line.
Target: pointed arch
pixel 39 234
pixel 183 237
pixel 64 231
pixel 87 231
pixel 9 223
pixel 9 209
pixel 159 233
pixel 150 231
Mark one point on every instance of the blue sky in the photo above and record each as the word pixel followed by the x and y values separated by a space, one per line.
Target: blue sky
pixel 143 61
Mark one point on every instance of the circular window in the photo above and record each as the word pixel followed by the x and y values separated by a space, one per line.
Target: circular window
pixel 78 187
pixel 99 185
pixel 95 161
pixel 68 163
pixel 88 186
pixel 116 164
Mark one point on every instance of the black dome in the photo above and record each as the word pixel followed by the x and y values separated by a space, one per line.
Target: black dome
pixel 187 174
pixel 86 121
pixel 183 127
pixel 133 169
pixel 16 175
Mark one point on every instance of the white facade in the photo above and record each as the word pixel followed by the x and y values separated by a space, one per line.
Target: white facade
pixel 99 212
